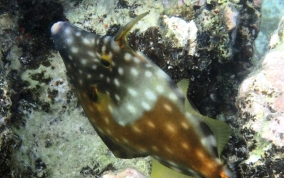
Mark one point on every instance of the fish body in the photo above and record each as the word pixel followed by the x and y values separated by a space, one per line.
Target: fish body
pixel 133 105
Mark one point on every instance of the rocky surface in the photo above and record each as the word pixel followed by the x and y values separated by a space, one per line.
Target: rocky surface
pixel 261 106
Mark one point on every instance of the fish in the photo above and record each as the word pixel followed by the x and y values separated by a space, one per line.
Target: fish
pixel 136 108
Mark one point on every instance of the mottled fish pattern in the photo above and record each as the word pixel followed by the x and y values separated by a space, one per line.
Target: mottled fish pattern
pixel 134 106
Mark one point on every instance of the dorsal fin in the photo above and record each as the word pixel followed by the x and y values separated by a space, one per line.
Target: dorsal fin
pixel 121 35
pixel 220 129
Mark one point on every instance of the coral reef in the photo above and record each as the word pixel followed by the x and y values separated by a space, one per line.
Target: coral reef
pixel 260 102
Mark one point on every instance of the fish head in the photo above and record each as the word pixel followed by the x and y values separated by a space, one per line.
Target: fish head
pixel 105 65
pixel 87 56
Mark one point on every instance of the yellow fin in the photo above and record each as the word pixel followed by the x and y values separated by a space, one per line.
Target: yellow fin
pixel 183 87
pixel 161 171
pixel 220 129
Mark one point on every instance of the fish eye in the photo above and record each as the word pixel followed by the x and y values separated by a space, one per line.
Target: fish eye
pixel 105 60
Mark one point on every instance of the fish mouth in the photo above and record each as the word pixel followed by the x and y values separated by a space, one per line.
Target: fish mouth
pixel 57 27
pixel 60 31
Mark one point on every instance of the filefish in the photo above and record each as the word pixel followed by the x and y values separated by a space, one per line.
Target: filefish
pixel 135 107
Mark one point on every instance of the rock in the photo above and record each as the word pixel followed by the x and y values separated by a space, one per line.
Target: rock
pixel 261 106
pixel 129 173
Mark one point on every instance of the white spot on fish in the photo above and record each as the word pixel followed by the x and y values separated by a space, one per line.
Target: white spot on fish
pixel 67 31
pixel 148 73
pixel 116 139
pixel 131 108
pixel 114 46
pixel 116 82
pixel 110 55
pixel 155 148
pixel 199 154
pixel 94 67
pixel 92 41
pixel 107 120
pixel 69 40
pixel 159 89
pixel 113 63
pixel 101 75
pixel 131 91
pixel 150 95
pixel 125 140
pixel 148 65
pixel 136 60
pixel 108 79
pixel 209 140
pixel 117 97
pixel 106 39
pixel 168 107
pixel 185 145
pixel 110 108
pixel 173 96
pixel 143 150
pixel 95 60
pixel 120 71
pixel 91 53
pixel 136 129
pixel 184 125
pixel 81 82
pixel 108 131
pixel 103 49
pixel 78 34
pixel 127 56
pixel 134 71
pixel 86 41
pixel 146 106
pixel 169 150
pixel 74 49
pixel 170 127
pixel 151 124
pixel 89 76
pixel 84 61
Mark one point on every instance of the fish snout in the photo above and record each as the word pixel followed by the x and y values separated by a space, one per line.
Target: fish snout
pixel 57 27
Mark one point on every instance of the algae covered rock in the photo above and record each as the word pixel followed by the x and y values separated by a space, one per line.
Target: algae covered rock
pixel 261 104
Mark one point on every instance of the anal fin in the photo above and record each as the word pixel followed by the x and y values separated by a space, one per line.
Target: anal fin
pixel 161 171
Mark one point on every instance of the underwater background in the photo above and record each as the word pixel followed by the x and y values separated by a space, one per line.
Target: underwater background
pixel 231 51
